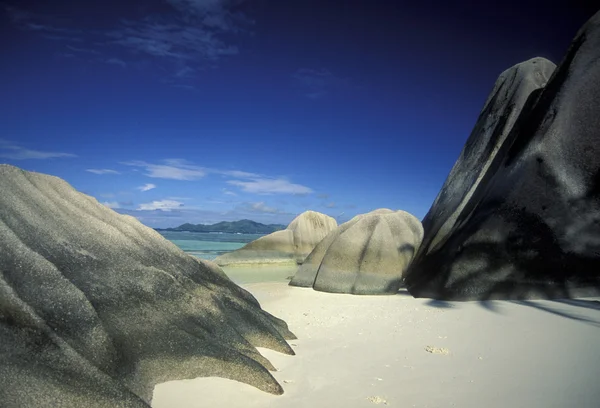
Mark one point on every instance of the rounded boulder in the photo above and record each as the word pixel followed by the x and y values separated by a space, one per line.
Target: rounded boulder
pixel 367 255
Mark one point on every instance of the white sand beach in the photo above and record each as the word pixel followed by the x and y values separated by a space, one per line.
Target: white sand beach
pixel 363 351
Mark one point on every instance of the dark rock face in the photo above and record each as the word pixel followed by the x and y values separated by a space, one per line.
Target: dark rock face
pixel 96 308
pixel 509 98
pixel 531 226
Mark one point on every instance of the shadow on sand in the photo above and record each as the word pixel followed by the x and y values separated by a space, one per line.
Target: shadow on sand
pixel 556 307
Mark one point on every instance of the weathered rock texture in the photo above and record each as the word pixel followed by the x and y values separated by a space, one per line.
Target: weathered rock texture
pixel 291 245
pixel 96 308
pixel 525 222
pixel 507 100
pixel 365 256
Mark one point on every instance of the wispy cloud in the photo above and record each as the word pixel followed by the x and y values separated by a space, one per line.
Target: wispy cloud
pixel 46 26
pixel 116 61
pixel 179 169
pixel 218 15
pixel 102 171
pixel 146 187
pixel 10 150
pixel 183 39
pixel 174 42
pixel 317 83
pixel 162 205
pixel 259 207
pixel 330 205
pixel 83 50
pixel 174 169
pixel 228 192
pixel 270 186
pixel 237 173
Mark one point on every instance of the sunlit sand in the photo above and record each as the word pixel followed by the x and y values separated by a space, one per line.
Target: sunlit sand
pixel 362 351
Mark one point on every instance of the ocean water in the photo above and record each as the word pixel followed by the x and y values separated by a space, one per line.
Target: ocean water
pixel 208 245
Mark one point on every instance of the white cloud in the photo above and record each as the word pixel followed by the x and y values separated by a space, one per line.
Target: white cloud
pixel 102 171
pixel 163 205
pixel 180 169
pixel 174 169
pixel 330 205
pixel 270 186
pixel 146 187
pixel 259 207
pixel 112 204
pixel 237 173
pixel 10 150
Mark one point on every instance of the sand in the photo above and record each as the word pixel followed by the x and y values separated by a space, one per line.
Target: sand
pixel 397 351
pixel 244 275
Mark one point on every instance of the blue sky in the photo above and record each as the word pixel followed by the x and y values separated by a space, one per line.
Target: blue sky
pixel 207 110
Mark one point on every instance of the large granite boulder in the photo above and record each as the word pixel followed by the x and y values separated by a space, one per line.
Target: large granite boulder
pixel 96 308
pixel 525 222
pixel 289 246
pixel 513 88
pixel 365 256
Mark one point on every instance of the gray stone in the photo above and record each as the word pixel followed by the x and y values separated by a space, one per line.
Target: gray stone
pixel 96 308
pixel 366 255
pixel 525 222
pixel 289 246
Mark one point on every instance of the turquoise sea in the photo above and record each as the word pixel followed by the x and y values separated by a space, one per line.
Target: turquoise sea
pixel 208 245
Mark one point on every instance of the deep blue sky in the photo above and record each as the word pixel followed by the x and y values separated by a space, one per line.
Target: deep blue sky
pixel 207 110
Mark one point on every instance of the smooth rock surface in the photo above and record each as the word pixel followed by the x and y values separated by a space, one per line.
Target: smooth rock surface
pixel 513 88
pixel 366 255
pixel 531 228
pixel 96 308
pixel 289 246
pixel 308 229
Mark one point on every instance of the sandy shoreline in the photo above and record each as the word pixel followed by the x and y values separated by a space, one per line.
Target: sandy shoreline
pixel 363 351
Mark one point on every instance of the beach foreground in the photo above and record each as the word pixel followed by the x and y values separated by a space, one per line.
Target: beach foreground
pixel 363 351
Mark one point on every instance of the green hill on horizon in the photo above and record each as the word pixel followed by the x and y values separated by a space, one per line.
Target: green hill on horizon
pixel 233 227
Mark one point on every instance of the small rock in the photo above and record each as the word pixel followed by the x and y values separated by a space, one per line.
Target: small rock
pixel 377 400
pixel 437 350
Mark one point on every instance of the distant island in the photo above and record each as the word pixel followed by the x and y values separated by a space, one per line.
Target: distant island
pixel 234 227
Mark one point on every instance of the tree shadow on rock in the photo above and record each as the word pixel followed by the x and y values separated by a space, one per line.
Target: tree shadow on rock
pixel 528 263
